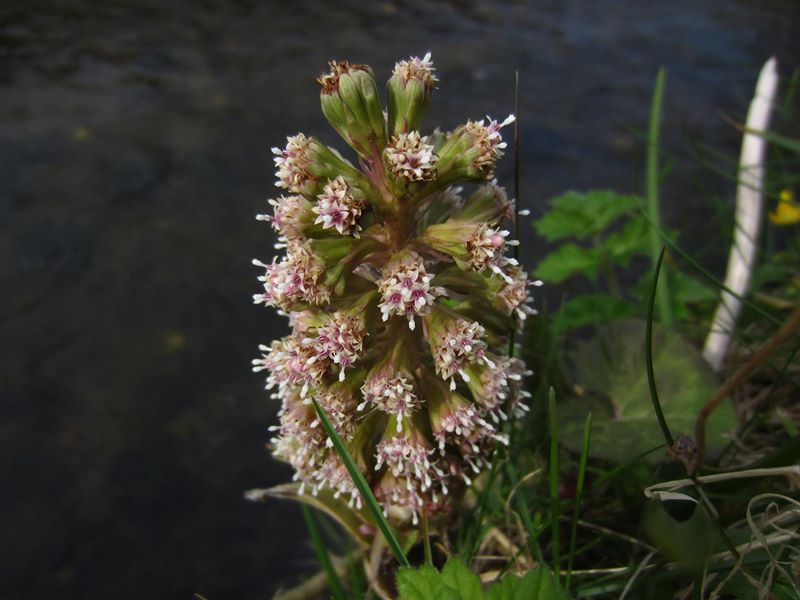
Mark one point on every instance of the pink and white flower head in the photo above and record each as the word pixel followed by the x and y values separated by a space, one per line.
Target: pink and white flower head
pixel 339 207
pixel 460 423
pixel 408 456
pixel 411 158
pixel 392 395
pixel 289 215
pixel 513 296
pixel 292 362
pixel 293 165
pixel 332 474
pixel 488 144
pixel 420 69
pixel 339 404
pixel 454 345
pixel 486 246
pixel 293 279
pixel 405 288
pixel 339 340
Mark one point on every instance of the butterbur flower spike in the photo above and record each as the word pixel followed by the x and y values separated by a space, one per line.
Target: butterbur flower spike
pixel 400 295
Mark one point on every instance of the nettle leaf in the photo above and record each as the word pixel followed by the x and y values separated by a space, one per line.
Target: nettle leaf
pixel 566 261
pixel 581 215
pixel 538 584
pixel 612 367
pixel 633 239
pixel 457 582
pixel 457 576
pixel 423 583
pixel 591 309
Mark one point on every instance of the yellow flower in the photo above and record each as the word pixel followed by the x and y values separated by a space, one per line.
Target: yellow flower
pixel 787 212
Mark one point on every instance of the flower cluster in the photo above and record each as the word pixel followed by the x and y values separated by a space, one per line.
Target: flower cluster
pixel 400 294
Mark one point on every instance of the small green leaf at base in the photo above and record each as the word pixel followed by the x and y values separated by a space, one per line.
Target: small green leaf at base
pixel 457 582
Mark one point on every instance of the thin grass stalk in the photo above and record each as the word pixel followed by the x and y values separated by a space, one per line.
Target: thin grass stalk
pixel 587 434
pixel 363 487
pixel 426 539
pixel 554 499
pixel 525 514
pixel 648 350
pixel 664 304
pixel 323 556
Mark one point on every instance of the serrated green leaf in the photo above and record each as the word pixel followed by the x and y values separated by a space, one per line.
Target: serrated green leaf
pixel 458 577
pixel 633 239
pixel 566 261
pixel 612 365
pixel 581 215
pixel 423 583
pixel 591 309
pixel 538 584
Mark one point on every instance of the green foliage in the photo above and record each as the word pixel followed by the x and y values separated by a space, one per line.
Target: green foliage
pixel 608 232
pixel 457 582
pixel 582 215
pixel 591 309
pixel 611 366
pixel 569 260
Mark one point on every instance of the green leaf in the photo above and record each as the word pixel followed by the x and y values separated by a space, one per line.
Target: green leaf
pixel 423 583
pixel 591 309
pixel 457 582
pixel 689 541
pixel 538 584
pixel 581 215
pixel 566 261
pixel 612 367
pixel 631 240
pixel 458 577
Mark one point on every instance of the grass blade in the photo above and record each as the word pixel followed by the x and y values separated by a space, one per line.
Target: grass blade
pixel 587 434
pixel 648 351
pixel 426 539
pixel 554 499
pixel 322 555
pixel 664 304
pixel 363 487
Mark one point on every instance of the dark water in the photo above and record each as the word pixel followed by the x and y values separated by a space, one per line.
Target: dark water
pixel 134 146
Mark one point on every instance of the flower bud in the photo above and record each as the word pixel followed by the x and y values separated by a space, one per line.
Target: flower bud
pixel 408 93
pixel 488 203
pixel 291 216
pixel 473 246
pixel 471 151
pixel 306 164
pixel 351 103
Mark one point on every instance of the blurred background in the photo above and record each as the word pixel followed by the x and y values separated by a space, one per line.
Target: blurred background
pixel 135 145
